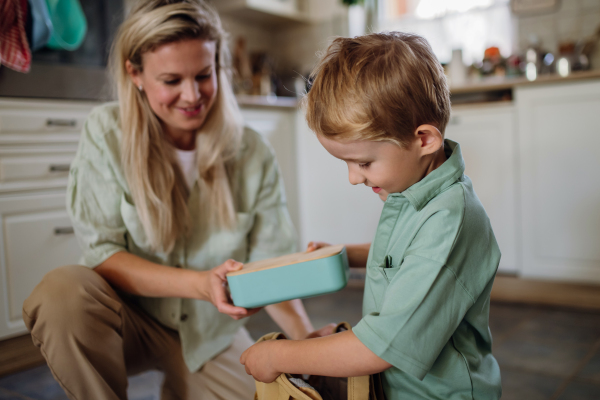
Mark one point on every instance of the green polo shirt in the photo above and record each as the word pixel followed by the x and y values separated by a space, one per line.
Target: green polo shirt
pixel 426 303
pixel 106 222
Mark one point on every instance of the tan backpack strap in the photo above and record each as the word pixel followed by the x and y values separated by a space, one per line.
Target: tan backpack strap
pixel 271 336
pixel 358 387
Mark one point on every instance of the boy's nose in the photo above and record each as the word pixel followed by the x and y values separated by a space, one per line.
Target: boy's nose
pixel 355 177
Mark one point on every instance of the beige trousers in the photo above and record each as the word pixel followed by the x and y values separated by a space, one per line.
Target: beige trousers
pixel 92 340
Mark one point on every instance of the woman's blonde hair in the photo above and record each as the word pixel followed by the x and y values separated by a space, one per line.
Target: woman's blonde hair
pixel 379 87
pixel 157 185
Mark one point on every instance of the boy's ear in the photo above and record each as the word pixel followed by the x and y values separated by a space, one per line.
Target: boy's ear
pixel 429 138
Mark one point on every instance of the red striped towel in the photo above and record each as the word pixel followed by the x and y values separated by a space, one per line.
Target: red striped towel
pixel 14 49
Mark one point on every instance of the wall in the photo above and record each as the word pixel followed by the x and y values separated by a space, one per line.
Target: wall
pixel 572 20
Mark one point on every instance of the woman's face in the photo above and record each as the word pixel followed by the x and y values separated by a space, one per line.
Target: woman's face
pixel 180 82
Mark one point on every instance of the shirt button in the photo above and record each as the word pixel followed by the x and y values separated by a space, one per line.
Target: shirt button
pixel 183 317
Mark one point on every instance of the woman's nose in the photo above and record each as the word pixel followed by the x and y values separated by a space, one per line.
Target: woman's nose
pixel 190 92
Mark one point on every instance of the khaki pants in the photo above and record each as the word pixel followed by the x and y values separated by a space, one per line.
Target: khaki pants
pixel 92 339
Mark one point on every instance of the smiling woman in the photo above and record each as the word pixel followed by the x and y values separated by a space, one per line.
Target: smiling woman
pixel 168 188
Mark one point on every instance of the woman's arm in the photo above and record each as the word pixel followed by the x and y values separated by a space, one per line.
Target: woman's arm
pixel 141 277
pixel 291 318
pixel 357 253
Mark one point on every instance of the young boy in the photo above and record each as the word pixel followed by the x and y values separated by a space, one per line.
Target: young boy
pixel 380 102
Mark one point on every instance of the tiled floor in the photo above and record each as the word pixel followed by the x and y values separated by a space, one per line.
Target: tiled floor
pixel 544 353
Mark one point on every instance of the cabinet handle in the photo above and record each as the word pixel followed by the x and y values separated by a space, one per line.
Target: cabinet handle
pixel 65 230
pixel 65 123
pixel 60 167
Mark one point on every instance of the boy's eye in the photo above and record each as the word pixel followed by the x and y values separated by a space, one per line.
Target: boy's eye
pixel 364 165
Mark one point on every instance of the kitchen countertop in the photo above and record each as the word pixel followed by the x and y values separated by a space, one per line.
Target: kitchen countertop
pixel 267 101
pixel 504 83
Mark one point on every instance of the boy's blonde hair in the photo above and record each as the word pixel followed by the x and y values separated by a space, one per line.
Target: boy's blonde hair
pixel 379 87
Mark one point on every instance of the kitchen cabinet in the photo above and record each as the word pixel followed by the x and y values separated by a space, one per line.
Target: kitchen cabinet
pixel 277 125
pixel 559 138
pixel 36 237
pixel 488 141
pixel 330 208
pixel 38 140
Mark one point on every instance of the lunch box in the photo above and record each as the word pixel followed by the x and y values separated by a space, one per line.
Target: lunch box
pixel 294 276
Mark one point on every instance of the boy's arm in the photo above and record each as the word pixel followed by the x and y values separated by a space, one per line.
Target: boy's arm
pixel 357 253
pixel 339 355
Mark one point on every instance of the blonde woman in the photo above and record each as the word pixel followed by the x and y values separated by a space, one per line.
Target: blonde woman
pixel 167 189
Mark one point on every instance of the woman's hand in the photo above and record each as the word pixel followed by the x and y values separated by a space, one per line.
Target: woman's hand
pixel 258 360
pixel 324 331
pixel 312 246
pixel 215 290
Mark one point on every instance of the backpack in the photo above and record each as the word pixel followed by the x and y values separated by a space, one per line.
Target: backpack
pixel 288 387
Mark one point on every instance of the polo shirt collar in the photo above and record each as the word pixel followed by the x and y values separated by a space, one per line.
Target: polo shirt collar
pixel 438 180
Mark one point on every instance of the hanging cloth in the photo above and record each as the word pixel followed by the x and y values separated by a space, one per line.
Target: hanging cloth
pixel 14 49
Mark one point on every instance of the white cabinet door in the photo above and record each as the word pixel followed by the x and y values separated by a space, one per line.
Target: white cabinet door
pixel 560 141
pixel 278 127
pixel 331 209
pixel 486 134
pixel 36 237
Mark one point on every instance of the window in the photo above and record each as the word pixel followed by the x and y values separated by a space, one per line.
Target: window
pixel 470 25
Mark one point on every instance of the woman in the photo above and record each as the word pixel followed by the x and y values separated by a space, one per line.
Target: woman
pixel 167 189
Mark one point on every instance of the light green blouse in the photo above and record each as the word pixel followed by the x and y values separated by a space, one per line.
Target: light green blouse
pixel 106 222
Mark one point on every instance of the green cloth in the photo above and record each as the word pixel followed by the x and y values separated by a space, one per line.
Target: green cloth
pixel 429 275
pixel 106 222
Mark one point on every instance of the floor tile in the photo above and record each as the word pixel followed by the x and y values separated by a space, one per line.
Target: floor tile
pixel 523 385
pixel 581 391
pixel 591 371
pixel 505 317
pixel 145 386
pixel 36 383
pixel 9 395
pixel 550 358
pixel 562 326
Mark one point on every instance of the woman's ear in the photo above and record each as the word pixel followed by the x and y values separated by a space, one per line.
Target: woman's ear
pixel 430 139
pixel 133 73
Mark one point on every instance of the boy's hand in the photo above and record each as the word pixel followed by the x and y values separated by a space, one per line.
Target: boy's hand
pixel 312 246
pixel 258 360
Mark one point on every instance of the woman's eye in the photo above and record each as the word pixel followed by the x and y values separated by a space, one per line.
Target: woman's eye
pixel 172 82
pixel 364 165
pixel 203 77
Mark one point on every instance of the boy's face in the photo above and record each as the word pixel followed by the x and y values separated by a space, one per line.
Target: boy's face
pixel 383 166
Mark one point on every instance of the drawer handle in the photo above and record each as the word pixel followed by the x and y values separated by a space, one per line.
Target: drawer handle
pixel 60 167
pixel 66 230
pixel 68 123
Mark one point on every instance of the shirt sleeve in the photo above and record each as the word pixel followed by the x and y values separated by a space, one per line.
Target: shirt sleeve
pixel 273 233
pixel 94 198
pixel 422 306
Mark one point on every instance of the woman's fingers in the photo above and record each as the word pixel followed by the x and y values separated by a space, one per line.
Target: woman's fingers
pixel 312 246
pixel 324 331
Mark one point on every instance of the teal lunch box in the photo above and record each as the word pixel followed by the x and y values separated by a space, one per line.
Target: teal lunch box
pixel 294 276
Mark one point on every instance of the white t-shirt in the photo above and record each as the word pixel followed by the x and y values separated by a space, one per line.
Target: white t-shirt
pixel 187 163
